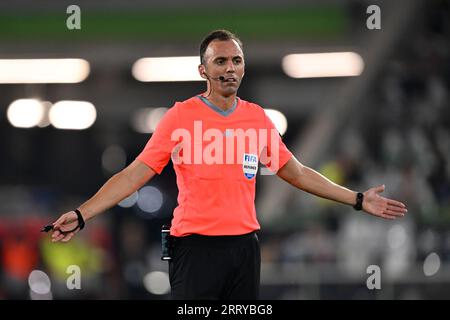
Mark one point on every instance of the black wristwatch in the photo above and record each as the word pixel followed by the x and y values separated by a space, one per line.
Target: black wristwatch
pixel 359 201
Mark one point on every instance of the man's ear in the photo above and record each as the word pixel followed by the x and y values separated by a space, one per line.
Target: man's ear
pixel 202 71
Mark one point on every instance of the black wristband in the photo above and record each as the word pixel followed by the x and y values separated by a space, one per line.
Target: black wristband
pixel 80 219
pixel 359 201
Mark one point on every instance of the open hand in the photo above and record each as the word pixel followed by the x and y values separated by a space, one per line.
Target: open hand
pixel 379 206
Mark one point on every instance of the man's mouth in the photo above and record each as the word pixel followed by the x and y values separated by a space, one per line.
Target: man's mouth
pixel 230 79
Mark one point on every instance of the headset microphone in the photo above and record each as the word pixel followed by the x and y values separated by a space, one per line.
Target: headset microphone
pixel 221 78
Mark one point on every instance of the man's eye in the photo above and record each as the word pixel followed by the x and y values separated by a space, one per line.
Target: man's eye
pixel 219 61
pixel 237 61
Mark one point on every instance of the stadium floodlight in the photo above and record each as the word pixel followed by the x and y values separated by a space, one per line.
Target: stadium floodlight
pixel 43 70
pixel 329 64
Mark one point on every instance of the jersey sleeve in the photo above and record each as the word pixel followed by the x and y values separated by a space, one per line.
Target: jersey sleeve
pixel 158 149
pixel 277 154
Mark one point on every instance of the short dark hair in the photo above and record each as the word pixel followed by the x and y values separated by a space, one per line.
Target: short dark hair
pixel 221 35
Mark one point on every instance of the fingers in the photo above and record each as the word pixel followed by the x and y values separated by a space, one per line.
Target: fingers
pixel 58 223
pixel 394 213
pixel 390 212
pixel 387 216
pixel 65 218
pixel 60 227
pixel 397 209
pixel 65 222
pixel 61 236
pixel 57 236
pixel 379 189
pixel 68 237
pixel 395 203
pixel 384 207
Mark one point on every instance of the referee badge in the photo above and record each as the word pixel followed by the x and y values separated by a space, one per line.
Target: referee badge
pixel 250 165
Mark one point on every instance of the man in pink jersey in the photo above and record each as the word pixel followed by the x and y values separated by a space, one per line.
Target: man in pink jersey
pixel 216 141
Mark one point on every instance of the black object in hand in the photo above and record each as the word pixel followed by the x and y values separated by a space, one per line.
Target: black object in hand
pixel 47 228
pixel 80 225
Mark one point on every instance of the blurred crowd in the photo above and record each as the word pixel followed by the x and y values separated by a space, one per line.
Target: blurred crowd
pixel 399 136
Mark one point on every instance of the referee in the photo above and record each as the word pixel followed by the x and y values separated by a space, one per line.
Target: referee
pixel 216 140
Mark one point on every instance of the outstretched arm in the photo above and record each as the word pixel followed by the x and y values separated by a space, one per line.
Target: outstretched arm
pixel 117 188
pixel 311 181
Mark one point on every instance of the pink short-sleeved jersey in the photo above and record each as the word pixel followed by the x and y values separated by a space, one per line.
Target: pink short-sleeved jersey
pixel 215 155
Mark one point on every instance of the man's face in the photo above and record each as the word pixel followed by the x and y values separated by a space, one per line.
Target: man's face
pixel 224 58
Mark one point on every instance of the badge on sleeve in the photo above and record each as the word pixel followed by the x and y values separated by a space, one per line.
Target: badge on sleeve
pixel 250 165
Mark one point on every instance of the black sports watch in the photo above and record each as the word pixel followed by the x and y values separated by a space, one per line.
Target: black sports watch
pixel 359 201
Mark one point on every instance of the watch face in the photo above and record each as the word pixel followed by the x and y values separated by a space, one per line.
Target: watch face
pixel 359 200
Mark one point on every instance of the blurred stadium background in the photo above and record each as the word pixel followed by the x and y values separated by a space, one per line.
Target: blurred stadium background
pixel 388 122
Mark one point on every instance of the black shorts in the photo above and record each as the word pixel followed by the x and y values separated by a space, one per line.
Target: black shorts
pixel 215 267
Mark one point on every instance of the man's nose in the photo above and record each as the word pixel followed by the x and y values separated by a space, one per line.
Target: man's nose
pixel 230 67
